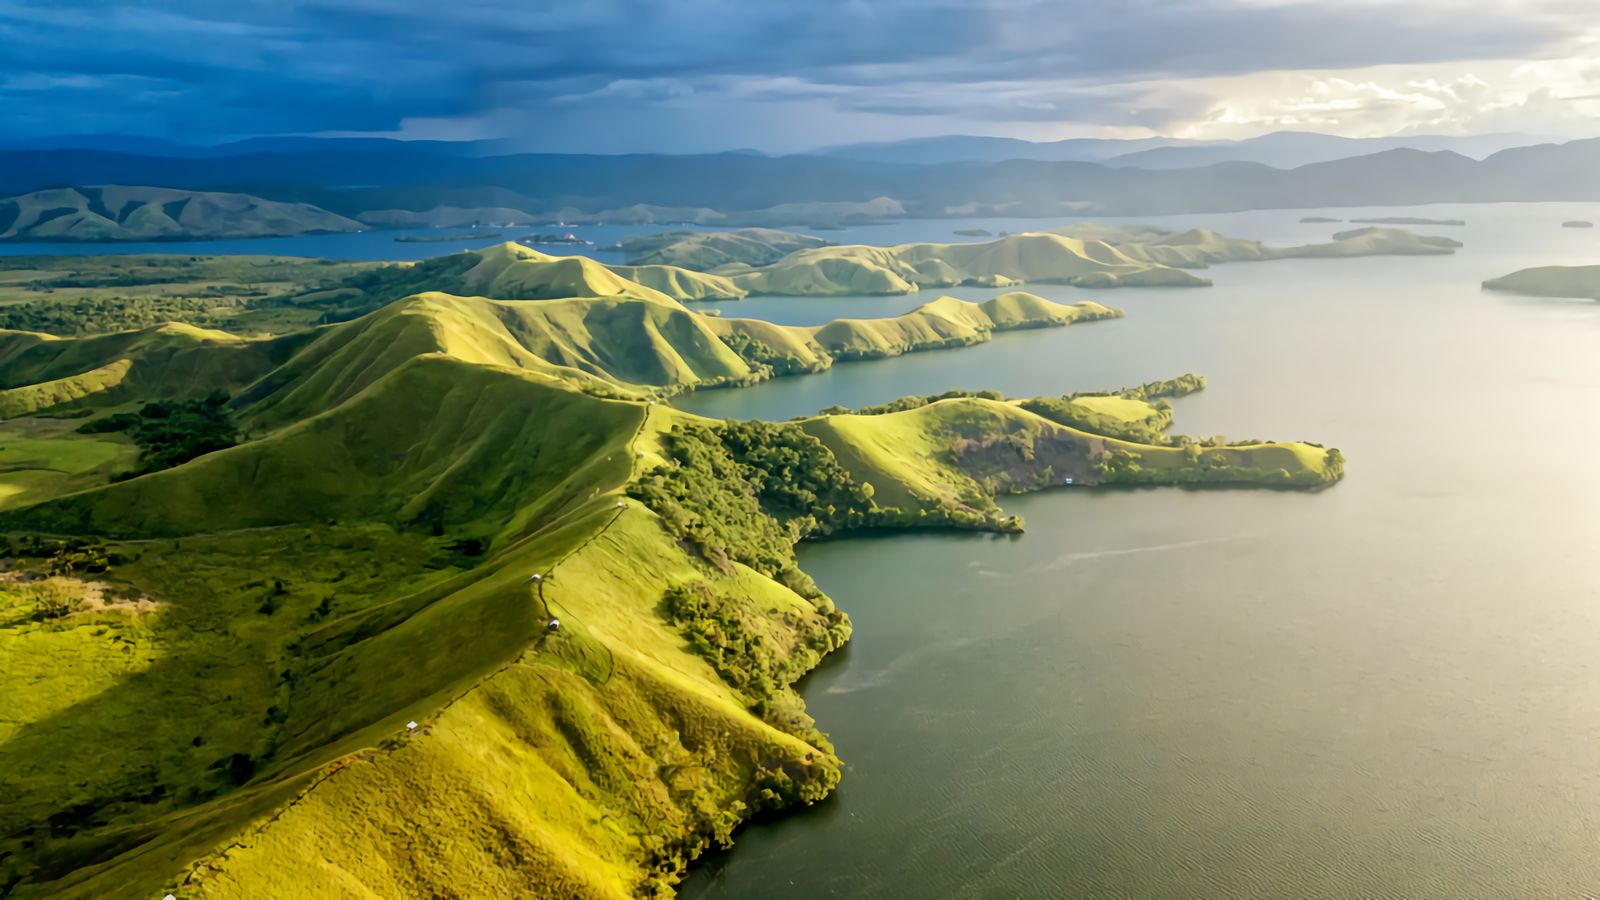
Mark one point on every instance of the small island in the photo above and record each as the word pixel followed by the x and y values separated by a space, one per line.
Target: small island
pixel 445 238
pixel 973 232
pixel 1408 220
pixel 563 238
pixel 1319 220
pixel 1578 223
pixel 1575 282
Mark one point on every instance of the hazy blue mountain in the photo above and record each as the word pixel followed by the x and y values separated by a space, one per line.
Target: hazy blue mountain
pixel 1282 150
pixel 1291 149
pixel 973 148
pixel 352 179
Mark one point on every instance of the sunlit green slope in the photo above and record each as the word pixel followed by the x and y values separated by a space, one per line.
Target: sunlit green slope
pixel 215 666
pixel 1015 259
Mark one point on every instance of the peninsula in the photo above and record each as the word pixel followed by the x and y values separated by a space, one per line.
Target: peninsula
pixel 255 671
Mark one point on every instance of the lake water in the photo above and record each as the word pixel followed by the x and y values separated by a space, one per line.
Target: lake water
pixel 1391 688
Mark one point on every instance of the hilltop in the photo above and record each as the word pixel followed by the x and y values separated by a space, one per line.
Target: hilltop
pixel 707 250
pixel 1015 259
pixel 117 213
pixel 308 657
pixel 511 271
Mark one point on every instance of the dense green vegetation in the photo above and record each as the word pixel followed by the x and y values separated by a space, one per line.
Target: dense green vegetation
pixel 747 492
pixel 77 295
pixel 172 432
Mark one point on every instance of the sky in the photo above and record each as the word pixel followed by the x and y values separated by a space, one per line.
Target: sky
pixel 780 76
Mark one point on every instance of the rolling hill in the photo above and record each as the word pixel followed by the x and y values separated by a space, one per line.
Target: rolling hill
pixel 1199 248
pixel 117 213
pixel 707 250
pixel 1011 260
pixel 314 663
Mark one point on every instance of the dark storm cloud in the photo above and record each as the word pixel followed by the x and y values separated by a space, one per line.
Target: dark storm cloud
pixel 204 69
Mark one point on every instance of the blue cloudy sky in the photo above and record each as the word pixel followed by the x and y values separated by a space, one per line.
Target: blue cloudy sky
pixel 684 75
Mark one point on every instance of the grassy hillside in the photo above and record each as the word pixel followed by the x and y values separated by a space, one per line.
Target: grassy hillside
pixel 1199 248
pixel 625 347
pixel 1580 282
pixel 315 664
pixel 511 271
pixel 706 250
pixel 1010 260
pixel 118 213
pixel 38 371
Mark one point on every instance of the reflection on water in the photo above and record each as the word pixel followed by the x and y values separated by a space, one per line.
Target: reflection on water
pixel 1387 689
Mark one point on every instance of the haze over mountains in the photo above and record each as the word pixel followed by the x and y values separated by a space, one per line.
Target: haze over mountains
pixel 1281 149
pixel 388 183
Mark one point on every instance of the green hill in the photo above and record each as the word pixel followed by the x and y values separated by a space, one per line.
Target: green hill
pixel 1579 282
pixel 1011 260
pixel 314 663
pixel 38 371
pixel 511 271
pixel 118 213
pixel 707 250
pixel 1199 248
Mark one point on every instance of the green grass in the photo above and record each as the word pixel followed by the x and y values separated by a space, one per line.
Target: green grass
pixel 42 458
pixel 361 560
pixel 1014 259
pixel 707 250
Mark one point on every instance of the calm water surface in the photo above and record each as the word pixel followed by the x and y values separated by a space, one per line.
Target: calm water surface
pixel 1388 689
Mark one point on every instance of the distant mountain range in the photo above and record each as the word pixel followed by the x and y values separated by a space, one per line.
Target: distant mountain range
pixel 1282 149
pixel 394 183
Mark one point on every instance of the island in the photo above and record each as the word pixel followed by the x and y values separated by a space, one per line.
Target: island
pixel 1408 220
pixel 1088 255
pixel 1008 261
pixel 1576 282
pixel 1577 223
pixel 117 213
pixel 446 238
pixel 565 237
pixel 1319 220
pixel 1199 248
pixel 973 232
pixel 444 472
